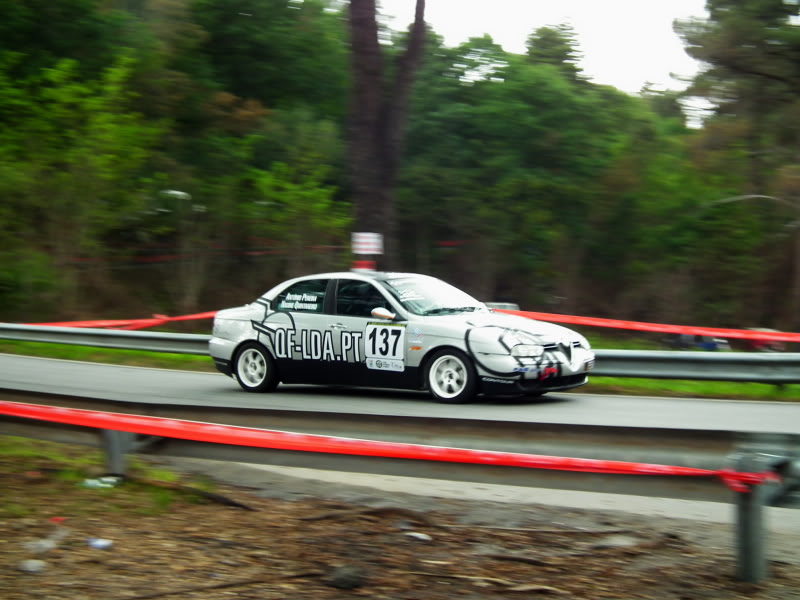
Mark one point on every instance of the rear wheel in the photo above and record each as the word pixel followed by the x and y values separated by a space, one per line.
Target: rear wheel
pixel 254 368
pixel 451 377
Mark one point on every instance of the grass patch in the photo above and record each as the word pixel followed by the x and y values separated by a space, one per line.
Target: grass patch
pixel 692 389
pixel 624 342
pixel 42 479
pixel 26 454
pixel 134 358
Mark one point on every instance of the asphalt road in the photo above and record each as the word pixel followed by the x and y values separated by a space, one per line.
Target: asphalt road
pixel 135 384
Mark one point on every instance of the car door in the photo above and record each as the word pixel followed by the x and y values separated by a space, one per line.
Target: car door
pixel 301 339
pixel 373 350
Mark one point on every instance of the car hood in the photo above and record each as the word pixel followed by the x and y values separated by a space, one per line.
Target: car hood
pixel 543 332
pixel 532 326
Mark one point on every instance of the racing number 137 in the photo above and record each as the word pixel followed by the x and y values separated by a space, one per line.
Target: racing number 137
pixel 385 341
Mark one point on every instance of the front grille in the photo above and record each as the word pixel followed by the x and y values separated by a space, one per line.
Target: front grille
pixel 553 383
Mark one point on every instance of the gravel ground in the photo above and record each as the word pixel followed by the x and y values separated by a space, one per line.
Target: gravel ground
pixel 293 538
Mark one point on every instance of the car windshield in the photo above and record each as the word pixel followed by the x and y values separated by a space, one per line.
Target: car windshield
pixel 423 295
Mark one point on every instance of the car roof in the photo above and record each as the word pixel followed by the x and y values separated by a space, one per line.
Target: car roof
pixel 358 275
pixel 379 275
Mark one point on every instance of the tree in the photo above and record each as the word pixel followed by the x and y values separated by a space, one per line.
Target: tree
pixel 78 153
pixel 46 32
pixel 378 113
pixel 556 46
pixel 751 52
pixel 295 202
pixel 503 161
pixel 279 52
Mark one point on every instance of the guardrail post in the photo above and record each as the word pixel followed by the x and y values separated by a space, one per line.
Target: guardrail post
pixel 751 528
pixel 117 444
pixel 751 534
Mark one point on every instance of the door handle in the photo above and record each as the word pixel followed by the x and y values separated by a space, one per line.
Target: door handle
pixel 337 326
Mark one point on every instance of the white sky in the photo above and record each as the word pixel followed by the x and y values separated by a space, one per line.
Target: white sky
pixel 624 43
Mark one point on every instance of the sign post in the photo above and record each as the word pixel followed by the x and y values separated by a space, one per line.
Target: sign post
pixel 366 243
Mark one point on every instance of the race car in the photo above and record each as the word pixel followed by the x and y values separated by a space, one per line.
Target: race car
pixel 393 330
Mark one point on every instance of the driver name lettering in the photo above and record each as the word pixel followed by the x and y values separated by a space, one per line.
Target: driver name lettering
pixel 299 302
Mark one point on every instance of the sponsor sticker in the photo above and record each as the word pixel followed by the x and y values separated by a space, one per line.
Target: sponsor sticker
pixel 311 344
pixel 383 364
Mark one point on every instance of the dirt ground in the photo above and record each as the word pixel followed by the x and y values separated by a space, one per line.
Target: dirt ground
pixel 261 536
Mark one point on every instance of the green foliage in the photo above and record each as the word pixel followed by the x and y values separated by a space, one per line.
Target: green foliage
pixel 527 159
pixel 26 273
pixel 520 178
pixel 751 77
pixel 134 358
pixel 558 47
pixel 693 389
pixel 64 467
pixel 281 53
pixel 297 210
pixel 77 153
pixel 72 160
pixel 47 32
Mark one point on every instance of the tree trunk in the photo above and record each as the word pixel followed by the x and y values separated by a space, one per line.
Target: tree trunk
pixel 378 117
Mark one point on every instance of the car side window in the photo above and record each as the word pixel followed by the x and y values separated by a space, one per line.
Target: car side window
pixel 358 298
pixel 304 296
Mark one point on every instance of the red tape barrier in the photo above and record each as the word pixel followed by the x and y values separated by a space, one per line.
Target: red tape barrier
pixel 745 334
pixel 154 321
pixel 303 442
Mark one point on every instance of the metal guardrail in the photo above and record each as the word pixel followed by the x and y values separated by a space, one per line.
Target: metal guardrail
pixel 773 368
pixel 756 367
pixel 151 341
pixel 741 451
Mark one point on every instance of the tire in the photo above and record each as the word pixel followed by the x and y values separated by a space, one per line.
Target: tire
pixel 254 368
pixel 451 377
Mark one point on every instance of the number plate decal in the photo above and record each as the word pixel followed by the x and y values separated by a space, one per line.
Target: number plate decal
pixel 385 346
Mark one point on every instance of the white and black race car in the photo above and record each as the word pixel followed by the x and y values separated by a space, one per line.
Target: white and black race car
pixel 393 330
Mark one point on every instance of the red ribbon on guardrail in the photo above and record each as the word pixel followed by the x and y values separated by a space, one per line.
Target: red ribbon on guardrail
pixel 304 442
pixel 745 334
pixel 154 321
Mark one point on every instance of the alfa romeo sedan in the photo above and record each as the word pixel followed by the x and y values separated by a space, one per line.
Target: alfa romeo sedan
pixel 393 330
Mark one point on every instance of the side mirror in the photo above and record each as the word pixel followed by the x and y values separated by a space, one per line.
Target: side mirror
pixel 383 313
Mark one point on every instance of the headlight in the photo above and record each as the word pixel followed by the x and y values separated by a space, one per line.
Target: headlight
pixel 530 350
pixel 583 342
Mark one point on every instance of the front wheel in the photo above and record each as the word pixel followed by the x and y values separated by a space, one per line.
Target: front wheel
pixel 451 377
pixel 254 368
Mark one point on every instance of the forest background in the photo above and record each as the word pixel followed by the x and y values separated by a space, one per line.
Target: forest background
pixel 177 156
